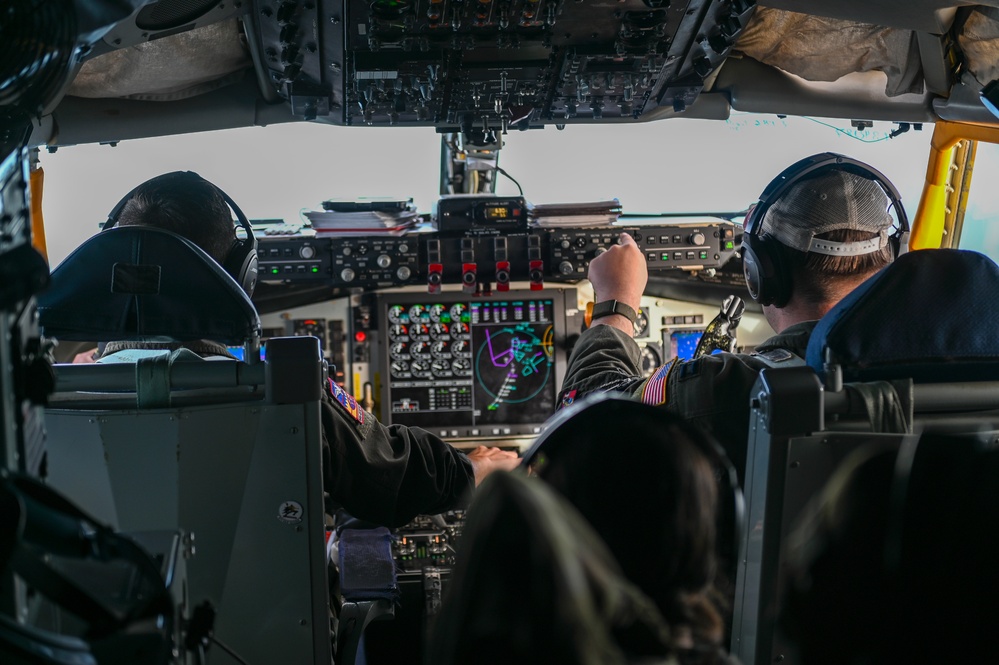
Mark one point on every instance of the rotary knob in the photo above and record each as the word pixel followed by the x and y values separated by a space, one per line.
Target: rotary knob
pixel 383 260
pixel 307 251
pixel 403 248
pixel 566 268
pixel 565 244
pixel 599 251
pixel 403 273
pixel 347 275
pixel 697 238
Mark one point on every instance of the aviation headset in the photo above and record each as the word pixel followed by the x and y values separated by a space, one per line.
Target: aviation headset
pixel 731 504
pixel 241 260
pixel 767 273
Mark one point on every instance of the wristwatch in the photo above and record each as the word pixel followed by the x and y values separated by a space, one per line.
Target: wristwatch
pixel 608 307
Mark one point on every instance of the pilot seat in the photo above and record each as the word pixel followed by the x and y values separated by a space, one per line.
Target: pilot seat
pixel 909 354
pixel 225 454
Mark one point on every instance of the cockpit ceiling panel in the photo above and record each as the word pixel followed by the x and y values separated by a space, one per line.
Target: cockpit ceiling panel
pixel 175 67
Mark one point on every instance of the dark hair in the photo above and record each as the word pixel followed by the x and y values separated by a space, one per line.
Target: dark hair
pixel 187 205
pixel 819 277
pixel 638 475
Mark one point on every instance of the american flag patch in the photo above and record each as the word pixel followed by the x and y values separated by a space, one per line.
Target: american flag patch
pixel 347 401
pixel 567 399
pixel 654 392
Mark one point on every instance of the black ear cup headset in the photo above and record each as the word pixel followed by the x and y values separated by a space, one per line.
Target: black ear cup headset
pixel 766 271
pixel 240 262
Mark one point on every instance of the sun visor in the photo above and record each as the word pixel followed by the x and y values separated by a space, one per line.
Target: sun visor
pixel 175 67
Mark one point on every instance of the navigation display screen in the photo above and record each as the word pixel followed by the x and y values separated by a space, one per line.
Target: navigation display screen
pixel 461 366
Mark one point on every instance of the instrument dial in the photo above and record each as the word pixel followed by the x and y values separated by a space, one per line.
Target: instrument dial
pixel 651 359
pixel 399 332
pixel 461 349
pixel 399 350
pixel 418 313
pixel 458 310
pixel 397 314
pixel 459 330
pixel 421 369
pixel 441 367
pixel 436 311
pixel 419 331
pixel 420 350
pixel 441 349
pixel 400 369
pixel 461 367
pixel 440 331
pixel 642 323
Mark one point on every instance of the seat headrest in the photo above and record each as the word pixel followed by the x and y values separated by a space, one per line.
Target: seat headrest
pixel 929 316
pixel 137 282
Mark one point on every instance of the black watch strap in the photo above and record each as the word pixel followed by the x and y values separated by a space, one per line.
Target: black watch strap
pixel 608 307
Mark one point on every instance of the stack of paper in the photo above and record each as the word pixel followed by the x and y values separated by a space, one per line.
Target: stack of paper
pixel 363 222
pixel 556 215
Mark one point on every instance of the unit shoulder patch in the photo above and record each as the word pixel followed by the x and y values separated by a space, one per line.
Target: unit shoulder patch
pixel 347 402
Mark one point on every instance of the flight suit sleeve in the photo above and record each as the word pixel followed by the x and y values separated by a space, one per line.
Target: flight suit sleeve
pixel 603 359
pixel 388 474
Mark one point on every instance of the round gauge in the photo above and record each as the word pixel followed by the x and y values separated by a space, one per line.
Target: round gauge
pixel 420 350
pixel 419 331
pixel 459 330
pixel 397 314
pixel 399 350
pixel 441 367
pixel 421 369
pixel 418 312
pixel 458 310
pixel 400 369
pixel 461 367
pixel 399 332
pixel 461 349
pixel 441 349
pixel 652 358
pixel 436 311
pixel 440 331
pixel 642 323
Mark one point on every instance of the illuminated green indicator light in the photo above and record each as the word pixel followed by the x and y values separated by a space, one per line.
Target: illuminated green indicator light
pixel 315 269
pixel 275 271
pixel 704 255
pixel 665 256
pixel 729 244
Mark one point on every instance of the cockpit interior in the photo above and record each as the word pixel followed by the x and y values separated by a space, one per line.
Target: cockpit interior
pixel 452 306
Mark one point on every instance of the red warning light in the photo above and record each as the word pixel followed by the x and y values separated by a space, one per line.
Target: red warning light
pixel 360 336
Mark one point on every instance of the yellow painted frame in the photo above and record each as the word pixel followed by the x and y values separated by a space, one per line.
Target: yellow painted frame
pixel 928 226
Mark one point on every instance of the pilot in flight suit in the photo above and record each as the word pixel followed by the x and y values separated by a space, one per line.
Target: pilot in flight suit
pixel 382 474
pixel 827 232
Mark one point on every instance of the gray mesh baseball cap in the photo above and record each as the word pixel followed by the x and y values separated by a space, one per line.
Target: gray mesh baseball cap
pixel 830 201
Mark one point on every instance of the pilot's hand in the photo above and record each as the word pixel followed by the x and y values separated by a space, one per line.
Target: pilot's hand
pixel 85 357
pixel 619 274
pixel 486 460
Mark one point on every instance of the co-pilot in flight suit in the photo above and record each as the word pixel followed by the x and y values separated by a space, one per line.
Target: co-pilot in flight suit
pixel 387 474
pixel 711 391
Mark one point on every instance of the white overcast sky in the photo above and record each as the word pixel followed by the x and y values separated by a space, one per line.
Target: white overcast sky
pixel 676 165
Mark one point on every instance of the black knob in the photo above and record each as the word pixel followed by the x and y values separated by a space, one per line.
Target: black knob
pixel 566 268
